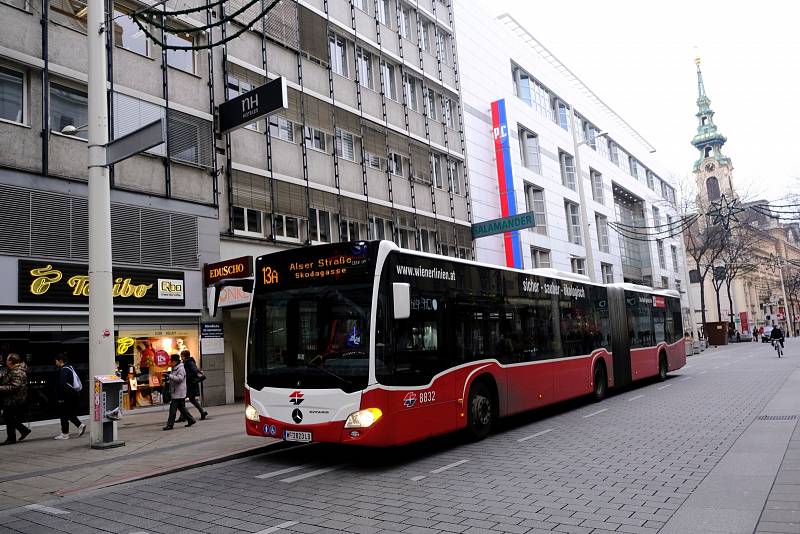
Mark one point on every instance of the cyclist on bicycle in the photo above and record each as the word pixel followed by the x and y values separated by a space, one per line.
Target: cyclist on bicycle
pixel 777 335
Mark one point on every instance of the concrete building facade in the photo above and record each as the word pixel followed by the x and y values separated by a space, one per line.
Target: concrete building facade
pixel 579 166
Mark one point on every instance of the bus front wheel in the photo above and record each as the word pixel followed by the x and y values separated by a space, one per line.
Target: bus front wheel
pixel 480 411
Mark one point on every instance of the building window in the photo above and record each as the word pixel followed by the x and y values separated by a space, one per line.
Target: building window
pixel 319 226
pixel 454 177
pixel 361 4
pixel 406 21
pixel 597 186
pixel 633 167
pixel 411 85
pixel 381 228
pixel 375 161
pixel 281 128
pixel 406 238
pixel 712 189
pixel 248 221
pixel 678 286
pixel 436 166
pixel 12 95
pixel 567 163
pixel 181 59
pixel 602 232
pixel 664 282
pixel 650 180
pixel 396 164
pixel 590 132
pixel 534 201
pixel 427 36
pixel 68 107
pixel 561 113
pixel 607 272
pixel 338 53
pixel 431 103
pixel 389 80
pixel 661 260
pixel 540 258
pixel 533 93
pixel 383 10
pixel 573 223
pixel 315 139
pixel 656 216
pixel 287 227
pixel 613 152
pixel 427 240
pixel 694 276
pixel 529 150
pixel 345 145
pixel 578 265
pixel 364 65
pixel 127 34
pixel 443 46
pixel 447 111
pixel 707 151
pixel 674 251
pixel 352 230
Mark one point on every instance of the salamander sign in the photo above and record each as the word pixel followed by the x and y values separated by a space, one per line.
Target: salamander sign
pixel 502 225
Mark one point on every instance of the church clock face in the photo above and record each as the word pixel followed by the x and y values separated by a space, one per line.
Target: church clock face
pixel 710 167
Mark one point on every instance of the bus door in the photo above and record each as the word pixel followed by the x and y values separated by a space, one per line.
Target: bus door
pixel 420 402
pixel 620 337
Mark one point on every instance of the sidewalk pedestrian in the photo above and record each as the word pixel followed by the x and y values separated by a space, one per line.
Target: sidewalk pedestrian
pixel 755 335
pixel 194 376
pixel 68 388
pixel 177 388
pixel 13 396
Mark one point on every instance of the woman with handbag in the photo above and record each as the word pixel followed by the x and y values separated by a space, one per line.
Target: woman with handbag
pixel 194 376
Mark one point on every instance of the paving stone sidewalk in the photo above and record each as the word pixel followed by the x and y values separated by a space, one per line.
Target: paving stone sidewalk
pixel 42 468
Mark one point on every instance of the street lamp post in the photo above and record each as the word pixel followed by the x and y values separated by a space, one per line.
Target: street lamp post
pixel 101 301
pixel 786 306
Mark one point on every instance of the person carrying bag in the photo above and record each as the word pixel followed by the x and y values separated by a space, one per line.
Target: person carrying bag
pixel 194 377
pixel 13 397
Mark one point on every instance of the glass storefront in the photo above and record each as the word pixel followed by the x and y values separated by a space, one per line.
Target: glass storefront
pixel 143 357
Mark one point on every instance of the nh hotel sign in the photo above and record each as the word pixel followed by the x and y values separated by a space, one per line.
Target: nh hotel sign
pixel 511 221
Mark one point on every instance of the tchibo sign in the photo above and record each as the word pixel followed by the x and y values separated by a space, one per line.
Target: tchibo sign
pixel 170 289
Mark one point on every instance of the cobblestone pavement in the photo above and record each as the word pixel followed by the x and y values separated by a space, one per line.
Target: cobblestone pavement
pixel 624 465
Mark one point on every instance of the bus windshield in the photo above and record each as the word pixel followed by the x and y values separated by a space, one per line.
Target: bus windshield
pixel 312 338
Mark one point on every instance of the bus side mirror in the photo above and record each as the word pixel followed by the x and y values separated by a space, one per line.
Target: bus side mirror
pixel 401 295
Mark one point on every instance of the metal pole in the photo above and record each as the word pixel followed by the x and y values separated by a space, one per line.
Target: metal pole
pixel 101 303
pixel 785 300
pixel 587 233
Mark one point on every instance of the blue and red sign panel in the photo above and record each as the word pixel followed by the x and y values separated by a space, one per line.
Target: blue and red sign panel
pixel 505 181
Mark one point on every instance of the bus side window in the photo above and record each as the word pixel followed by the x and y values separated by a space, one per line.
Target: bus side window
pixel 380 336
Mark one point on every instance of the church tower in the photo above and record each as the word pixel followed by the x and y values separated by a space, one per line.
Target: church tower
pixel 712 170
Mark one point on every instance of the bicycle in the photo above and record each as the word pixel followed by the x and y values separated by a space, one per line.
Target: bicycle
pixel 776 344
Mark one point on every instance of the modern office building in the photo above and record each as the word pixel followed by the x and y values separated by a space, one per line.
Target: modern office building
pixel 568 158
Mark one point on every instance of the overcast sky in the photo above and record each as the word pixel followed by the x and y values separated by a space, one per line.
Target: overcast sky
pixel 639 58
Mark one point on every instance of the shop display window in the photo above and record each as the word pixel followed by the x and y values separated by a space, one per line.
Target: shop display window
pixel 143 358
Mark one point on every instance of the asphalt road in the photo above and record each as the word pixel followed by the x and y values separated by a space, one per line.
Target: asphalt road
pixel 623 465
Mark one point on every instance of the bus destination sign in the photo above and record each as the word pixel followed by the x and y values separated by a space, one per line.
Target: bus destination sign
pixel 319 265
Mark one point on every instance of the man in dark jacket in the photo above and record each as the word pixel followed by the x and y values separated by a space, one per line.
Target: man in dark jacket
pixel 177 386
pixel 13 396
pixel 67 396
pixel 192 382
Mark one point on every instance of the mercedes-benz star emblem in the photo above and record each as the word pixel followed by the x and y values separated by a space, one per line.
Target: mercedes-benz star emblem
pixel 297 416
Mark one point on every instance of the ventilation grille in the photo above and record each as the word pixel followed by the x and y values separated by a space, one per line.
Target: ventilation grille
pixel 776 417
pixel 52 225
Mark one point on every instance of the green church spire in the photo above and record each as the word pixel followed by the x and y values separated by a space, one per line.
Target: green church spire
pixel 707 140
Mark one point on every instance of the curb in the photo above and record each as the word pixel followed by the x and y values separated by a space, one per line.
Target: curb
pixel 194 464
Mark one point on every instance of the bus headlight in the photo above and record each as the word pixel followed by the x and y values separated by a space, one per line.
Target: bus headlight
pixel 363 418
pixel 251 414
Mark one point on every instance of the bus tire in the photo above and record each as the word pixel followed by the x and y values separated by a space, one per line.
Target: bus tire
pixel 480 411
pixel 663 368
pixel 600 386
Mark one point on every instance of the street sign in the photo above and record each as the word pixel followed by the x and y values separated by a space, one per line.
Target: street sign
pixel 503 224
pixel 253 105
pixel 135 142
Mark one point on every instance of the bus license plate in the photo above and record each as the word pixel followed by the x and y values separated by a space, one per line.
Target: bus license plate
pixel 292 435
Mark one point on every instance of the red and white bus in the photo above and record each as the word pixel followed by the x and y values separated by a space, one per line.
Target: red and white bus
pixel 366 343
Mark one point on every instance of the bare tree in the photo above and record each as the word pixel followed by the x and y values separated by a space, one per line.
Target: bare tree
pixel 738 257
pixel 705 243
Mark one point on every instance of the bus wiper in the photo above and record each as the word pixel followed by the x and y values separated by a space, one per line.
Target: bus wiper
pixel 331 373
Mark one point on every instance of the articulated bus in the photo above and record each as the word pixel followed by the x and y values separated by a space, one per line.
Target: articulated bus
pixel 366 343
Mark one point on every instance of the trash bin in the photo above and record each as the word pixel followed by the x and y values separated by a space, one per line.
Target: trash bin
pixel 717 333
